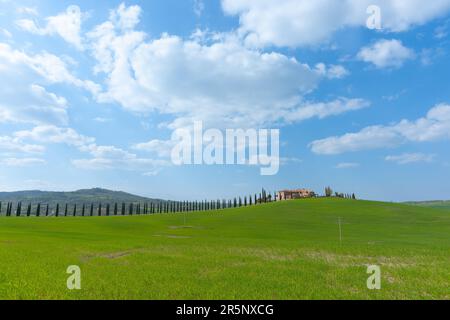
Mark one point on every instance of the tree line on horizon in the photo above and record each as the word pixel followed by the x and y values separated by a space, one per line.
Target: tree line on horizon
pixel 115 209
pixel 157 207
pixel 329 193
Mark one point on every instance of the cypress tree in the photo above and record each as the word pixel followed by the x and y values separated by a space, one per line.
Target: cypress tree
pixel 65 210
pixel 29 210
pixel 19 209
pixel 0 208
pixel 115 209
pixel 130 209
pixel 99 210
pixel 46 211
pixel 91 213
pixel 107 209
pixel 83 210
pixel 38 210
pixel 75 210
pixel 123 208
pixel 57 210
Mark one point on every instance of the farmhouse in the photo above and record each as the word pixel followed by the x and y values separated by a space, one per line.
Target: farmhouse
pixel 295 194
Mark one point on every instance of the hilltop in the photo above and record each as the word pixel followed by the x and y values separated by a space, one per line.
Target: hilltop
pixel 86 196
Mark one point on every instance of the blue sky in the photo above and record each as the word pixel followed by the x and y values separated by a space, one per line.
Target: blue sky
pixel 90 94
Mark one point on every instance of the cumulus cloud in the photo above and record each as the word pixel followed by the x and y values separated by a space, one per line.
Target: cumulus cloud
pixel 296 23
pixel 386 54
pixel 14 144
pixel 101 157
pixel 66 24
pixel 126 17
pixel 332 71
pixel 23 96
pixel 407 158
pixel 53 134
pixel 162 148
pixel 213 78
pixel 434 126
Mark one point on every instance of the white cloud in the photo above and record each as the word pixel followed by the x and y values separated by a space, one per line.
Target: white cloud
pixel 5 33
pixel 441 31
pixel 66 24
pixel 101 157
pixel 386 54
pixel 347 165
pixel 28 10
pixel 23 97
pixel 434 126
pixel 14 144
pixel 126 18
pixel 323 110
pixel 162 148
pixel 295 23
pixel 205 78
pixel 21 162
pixel 407 158
pixel 199 7
pixel 332 71
pixel 53 134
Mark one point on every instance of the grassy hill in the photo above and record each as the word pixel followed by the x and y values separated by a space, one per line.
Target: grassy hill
pixel 284 250
pixel 438 204
pixel 85 196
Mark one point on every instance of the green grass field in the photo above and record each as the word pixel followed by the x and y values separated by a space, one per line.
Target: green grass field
pixel 284 250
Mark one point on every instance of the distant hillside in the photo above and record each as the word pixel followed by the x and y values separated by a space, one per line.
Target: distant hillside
pixel 438 204
pixel 86 196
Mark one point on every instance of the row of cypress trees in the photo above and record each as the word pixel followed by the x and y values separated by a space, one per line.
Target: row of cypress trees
pixel 138 208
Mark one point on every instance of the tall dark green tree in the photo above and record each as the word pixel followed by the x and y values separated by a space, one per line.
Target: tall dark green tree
pixel 75 210
pixel 46 211
pixel 57 210
pixel 107 209
pixel 83 210
pixel 115 209
pixel 29 210
pixel 38 210
pixel 65 210
pixel 99 210
pixel 91 211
